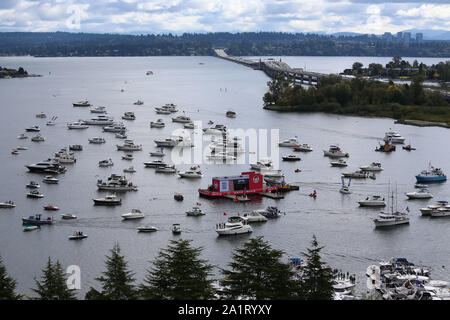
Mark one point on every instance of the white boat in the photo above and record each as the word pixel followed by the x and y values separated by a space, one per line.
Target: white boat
pixel 33 185
pixel 68 216
pixel 291 142
pixel 14 151
pixel 157 124
pixel 374 166
pixel 98 110
pixel 262 163
pixel 34 194
pixel 30 228
pixel 33 129
pixel 121 135
pixel 109 200
pixel 162 111
pixel 105 163
pixel 335 152
pixel 134 214
pixel 82 103
pixel 115 128
pixel 393 137
pixel 77 125
pixel 189 125
pixel 129 116
pixel 169 142
pixel 166 169
pixel 21 148
pixel 272 173
pixel 423 193
pixel 440 212
pixel 50 179
pixel 302 148
pixel 176 228
pixel 392 218
pixel 235 225
pixel 22 136
pixel 97 140
pixel 38 138
pixel 65 157
pixel 7 204
pixel 147 229
pixel 129 146
pixel 78 235
pixel 41 115
pixel 195 212
pixel 159 153
pixel 127 157
pixel 345 189
pixel 192 173
pixel 129 170
pixel 116 183
pixel 182 119
pixel 222 156
pixel 155 164
pixel 439 204
pixel 138 103
pixel 372 201
pixel 170 107
pixel 101 120
pixel 358 174
pixel 254 216
pixel 339 163
pixel 218 129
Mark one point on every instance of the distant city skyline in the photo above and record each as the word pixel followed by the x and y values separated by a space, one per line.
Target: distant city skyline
pixel 178 16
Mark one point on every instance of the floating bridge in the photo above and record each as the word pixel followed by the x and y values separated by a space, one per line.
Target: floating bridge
pixel 274 68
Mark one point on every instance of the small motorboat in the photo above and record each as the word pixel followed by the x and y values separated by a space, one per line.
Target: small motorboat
pixel 195 212
pixel 34 194
pixel 420 185
pixel 298 170
pixel 235 225
pixel 339 163
pixel 15 151
pixel 76 147
pixel 121 135
pixel 423 193
pixel 158 123
pixel 68 216
pixel 51 207
pixel 345 189
pixel 97 140
pixel 138 103
pixel 147 229
pixel 7 204
pixel 291 142
pixel 83 103
pixel 22 136
pixel 134 214
pixel 30 228
pixel 255 216
pixel 189 125
pixel 302 148
pixel 374 166
pixel 127 157
pixel 33 185
pixel 372 201
pixel 105 163
pixel 192 173
pixel 176 228
pixel 159 153
pixel 21 148
pixel 130 170
pixel 33 129
pixel 38 138
pixel 77 125
pixel 373 176
pixel 52 122
pixel 129 116
pixel 41 115
pixel 78 235
pixel 155 164
pixel 178 196
pixel 50 179
pixel 335 152
pixel 98 110
pixel 109 200
pixel 231 114
pixel 166 169
pixel 358 174
pixel 408 148
pixel 291 157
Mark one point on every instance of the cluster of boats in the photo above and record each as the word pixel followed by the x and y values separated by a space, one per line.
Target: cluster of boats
pixel 399 279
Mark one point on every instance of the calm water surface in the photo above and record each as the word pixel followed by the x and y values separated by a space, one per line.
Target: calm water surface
pixel 204 92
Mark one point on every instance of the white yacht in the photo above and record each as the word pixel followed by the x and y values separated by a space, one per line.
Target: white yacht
pixel 391 219
pixel 235 225
pixel 254 216
pixel 50 179
pixel 116 183
pixel 34 194
pixel 270 172
pixel 7 204
pixel 169 142
pixel 115 128
pixel 166 169
pixel 134 214
pixel 65 157
pixel 439 204
pixel 423 193
pixel 358 174
pixel 182 119
pixel 335 152
pixel 130 170
pixel 192 173
pixel 97 140
pixel 98 110
pixel 155 164
pixel 129 116
pixel 157 124
pixel 440 212
pixel 82 103
pixel 338 163
pixel 262 163
pixel 109 200
pixel 393 137
pixel 218 129
pixel 291 142
pixel 129 146
pixel 128 156
pixel 162 111
pixel 33 185
pixel 121 135
pixel 77 125
pixel 373 201
pixel 374 166
pixel 33 129
pixel 101 120
pixel 147 229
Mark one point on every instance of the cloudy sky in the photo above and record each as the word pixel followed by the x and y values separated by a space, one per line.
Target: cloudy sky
pixel 177 16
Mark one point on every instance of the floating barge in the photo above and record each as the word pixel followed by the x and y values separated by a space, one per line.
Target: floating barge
pixel 238 187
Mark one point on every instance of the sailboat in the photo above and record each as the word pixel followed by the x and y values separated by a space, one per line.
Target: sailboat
pixel 345 189
pixel 386 219
pixel 52 121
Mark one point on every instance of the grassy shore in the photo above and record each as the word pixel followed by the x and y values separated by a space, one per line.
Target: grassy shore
pixel 410 114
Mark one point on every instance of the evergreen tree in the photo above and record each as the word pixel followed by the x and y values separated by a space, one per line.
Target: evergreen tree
pixel 317 283
pixel 53 284
pixel 117 280
pixel 7 285
pixel 178 273
pixel 257 273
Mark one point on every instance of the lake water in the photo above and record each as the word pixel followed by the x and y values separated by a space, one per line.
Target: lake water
pixel 205 92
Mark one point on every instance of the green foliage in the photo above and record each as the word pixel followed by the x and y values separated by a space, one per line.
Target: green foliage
pixel 258 273
pixel 53 284
pixel 7 285
pixel 178 273
pixel 117 280
pixel 317 283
